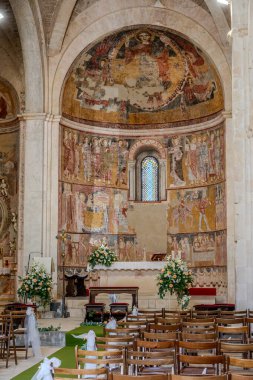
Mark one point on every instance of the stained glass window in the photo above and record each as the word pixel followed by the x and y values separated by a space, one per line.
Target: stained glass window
pixel 149 179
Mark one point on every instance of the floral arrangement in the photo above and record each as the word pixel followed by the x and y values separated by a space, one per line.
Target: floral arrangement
pixel 36 284
pixel 103 256
pixel 176 278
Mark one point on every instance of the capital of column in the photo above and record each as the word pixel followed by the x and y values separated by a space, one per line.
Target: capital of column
pixel 227 114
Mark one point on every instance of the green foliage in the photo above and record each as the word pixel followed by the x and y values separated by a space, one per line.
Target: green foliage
pixel 175 278
pixel 36 284
pixel 102 256
pixel 92 324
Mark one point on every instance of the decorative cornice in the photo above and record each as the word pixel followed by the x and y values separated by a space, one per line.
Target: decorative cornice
pixel 144 132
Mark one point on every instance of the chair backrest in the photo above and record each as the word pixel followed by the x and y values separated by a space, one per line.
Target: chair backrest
pixel 205 313
pixel 167 321
pixel 146 345
pixel 117 342
pixel 200 360
pixel 238 362
pixel 199 337
pixel 73 373
pixel 234 313
pixel 235 347
pixel 106 357
pixel 116 376
pixel 202 377
pixel 233 331
pixel 122 331
pixel 163 328
pixel 133 324
pixel 197 346
pixel 157 336
pixel 196 321
pixel 239 376
pixel 230 321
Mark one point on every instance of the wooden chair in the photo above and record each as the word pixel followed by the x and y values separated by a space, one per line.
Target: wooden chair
pixel 155 313
pixel 226 333
pixel 141 318
pixel 73 373
pixel 230 349
pixel 174 313
pixel 7 339
pixel 245 364
pixel 249 322
pixel 196 364
pixel 18 323
pixel 159 337
pixel 113 357
pixel 114 342
pixel 184 347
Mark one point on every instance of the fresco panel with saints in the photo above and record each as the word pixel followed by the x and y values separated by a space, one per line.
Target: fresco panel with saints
pixel 196 159
pixel 142 77
pixel 94 160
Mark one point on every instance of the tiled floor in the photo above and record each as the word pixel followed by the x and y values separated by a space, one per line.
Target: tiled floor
pixel 13 370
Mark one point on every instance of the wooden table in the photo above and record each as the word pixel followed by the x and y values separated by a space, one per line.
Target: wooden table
pixel 133 290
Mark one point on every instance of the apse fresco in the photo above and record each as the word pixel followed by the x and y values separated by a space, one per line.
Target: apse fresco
pixel 94 159
pixel 197 209
pixel 93 209
pixel 209 277
pixel 8 108
pixel 201 249
pixel 80 247
pixel 196 159
pixel 141 77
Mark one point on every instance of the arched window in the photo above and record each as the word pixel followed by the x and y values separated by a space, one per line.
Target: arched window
pixel 149 179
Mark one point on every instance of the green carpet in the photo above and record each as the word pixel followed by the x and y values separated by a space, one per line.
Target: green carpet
pixel 65 354
pixel 72 341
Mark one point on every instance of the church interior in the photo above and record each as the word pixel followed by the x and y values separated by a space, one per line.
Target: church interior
pixel 126 125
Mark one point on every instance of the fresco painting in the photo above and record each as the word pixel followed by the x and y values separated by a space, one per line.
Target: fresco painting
pixel 210 277
pixel 93 209
pixel 96 160
pixel 146 75
pixel 8 107
pixel 201 249
pixel 191 210
pixel 196 159
pixel 80 247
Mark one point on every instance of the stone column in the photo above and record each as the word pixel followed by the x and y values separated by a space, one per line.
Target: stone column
pixel 31 164
pixel 131 180
pixel 38 208
pixel 163 179
pixel 242 43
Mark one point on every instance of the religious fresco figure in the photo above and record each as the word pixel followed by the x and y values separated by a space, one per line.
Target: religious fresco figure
pixel 176 154
pixel 87 159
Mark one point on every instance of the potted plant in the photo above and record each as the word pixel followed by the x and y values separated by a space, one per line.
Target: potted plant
pixel 36 285
pixel 176 278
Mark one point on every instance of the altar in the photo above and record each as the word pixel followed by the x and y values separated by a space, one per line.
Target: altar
pixel 133 290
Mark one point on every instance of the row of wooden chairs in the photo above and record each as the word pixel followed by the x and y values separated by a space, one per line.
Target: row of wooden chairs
pixel 192 313
pixel 61 373
pixel 171 356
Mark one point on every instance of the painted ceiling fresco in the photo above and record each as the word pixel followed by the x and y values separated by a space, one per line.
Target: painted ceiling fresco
pixel 142 76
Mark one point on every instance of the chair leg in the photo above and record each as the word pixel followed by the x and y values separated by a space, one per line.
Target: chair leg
pixel 7 352
pixel 14 349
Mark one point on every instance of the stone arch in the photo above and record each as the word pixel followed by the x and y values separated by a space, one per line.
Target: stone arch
pixel 137 16
pixel 34 83
pixel 146 144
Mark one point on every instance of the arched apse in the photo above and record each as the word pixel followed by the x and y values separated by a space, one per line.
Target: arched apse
pixel 123 18
pixel 140 77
